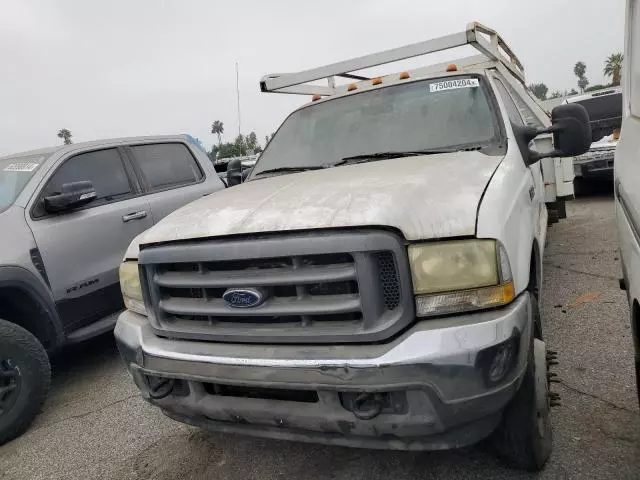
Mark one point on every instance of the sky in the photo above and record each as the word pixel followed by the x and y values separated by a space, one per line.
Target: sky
pixel 105 69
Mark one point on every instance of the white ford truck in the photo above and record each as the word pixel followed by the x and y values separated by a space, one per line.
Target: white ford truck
pixel 375 281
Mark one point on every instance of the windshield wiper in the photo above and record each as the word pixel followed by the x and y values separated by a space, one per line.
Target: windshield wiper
pixel 369 157
pixel 372 157
pixel 292 169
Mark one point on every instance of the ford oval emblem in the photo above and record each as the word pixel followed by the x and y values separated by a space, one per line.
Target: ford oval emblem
pixel 244 297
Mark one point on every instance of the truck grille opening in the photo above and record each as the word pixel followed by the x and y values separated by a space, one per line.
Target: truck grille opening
pixel 287 395
pixel 292 319
pixel 389 279
pixel 324 285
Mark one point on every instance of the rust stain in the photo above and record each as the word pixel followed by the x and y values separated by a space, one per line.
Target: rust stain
pixel 586 298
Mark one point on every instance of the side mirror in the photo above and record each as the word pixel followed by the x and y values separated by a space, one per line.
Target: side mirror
pixel 72 195
pixel 234 173
pixel 571 133
pixel 246 173
pixel 571 130
pixel 223 177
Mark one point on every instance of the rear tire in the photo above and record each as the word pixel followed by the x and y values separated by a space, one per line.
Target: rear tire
pixel 552 216
pixel 562 209
pixel 524 437
pixel 581 187
pixel 25 376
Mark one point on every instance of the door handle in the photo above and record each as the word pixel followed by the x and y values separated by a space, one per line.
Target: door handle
pixel 134 216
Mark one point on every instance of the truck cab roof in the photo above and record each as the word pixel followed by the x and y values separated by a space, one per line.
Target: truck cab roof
pixel 63 149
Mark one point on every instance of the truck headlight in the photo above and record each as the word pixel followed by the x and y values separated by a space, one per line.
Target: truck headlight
pixel 460 275
pixel 130 287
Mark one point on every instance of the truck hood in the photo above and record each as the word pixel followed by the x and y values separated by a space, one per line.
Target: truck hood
pixel 425 197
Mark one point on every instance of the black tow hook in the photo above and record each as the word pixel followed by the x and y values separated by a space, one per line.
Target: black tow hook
pixel 552 359
pixel 368 406
pixel 160 387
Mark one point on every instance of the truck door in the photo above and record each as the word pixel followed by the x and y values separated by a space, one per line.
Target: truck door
pixel 627 160
pixel 83 248
pixel 557 173
pixel 536 191
pixel 170 175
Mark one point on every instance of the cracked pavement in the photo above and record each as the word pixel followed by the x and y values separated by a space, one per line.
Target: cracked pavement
pixel 94 425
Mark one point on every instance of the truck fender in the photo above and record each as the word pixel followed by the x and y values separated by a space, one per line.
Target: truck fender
pixel 38 292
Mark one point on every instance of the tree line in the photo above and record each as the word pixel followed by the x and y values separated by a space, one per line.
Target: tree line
pixel 240 146
pixel 612 68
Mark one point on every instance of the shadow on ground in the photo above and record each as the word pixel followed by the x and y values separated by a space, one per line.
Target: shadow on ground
pixel 597 188
pixel 89 356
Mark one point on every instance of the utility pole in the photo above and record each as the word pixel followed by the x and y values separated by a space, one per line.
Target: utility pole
pixel 238 95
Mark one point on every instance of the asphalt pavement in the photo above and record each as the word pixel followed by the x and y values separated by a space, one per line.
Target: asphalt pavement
pixel 95 426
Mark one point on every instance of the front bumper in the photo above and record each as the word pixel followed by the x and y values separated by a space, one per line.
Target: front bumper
pixel 436 373
pixel 598 166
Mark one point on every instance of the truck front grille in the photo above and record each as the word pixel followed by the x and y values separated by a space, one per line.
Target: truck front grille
pixel 320 287
pixel 300 289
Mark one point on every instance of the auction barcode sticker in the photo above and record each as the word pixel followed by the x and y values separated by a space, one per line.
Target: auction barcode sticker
pixel 453 84
pixel 21 167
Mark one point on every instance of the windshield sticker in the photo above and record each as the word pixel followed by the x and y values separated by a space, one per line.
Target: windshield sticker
pixel 21 167
pixel 453 84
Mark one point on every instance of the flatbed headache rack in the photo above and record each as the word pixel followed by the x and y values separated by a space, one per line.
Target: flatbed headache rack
pixel 487 41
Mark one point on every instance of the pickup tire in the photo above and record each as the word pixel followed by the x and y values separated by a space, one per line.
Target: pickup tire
pixel 25 376
pixel 581 187
pixel 562 209
pixel 524 437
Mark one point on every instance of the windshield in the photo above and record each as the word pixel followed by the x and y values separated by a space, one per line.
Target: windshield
pixel 15 172
pixel 432 114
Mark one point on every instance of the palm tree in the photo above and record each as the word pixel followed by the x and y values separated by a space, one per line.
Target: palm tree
pixel 579 70
pixel 65 134
pixel 613 67
pixel 217 128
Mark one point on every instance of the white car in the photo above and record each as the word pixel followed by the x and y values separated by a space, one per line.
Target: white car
pixel 375 282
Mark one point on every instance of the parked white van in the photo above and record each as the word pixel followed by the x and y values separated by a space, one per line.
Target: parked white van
pixel 375 282
pixel 627 176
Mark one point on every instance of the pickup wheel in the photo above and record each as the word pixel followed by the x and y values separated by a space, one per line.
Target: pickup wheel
pixel 524 436
pixel 25 376
pixel 562 209
pixel 581 187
